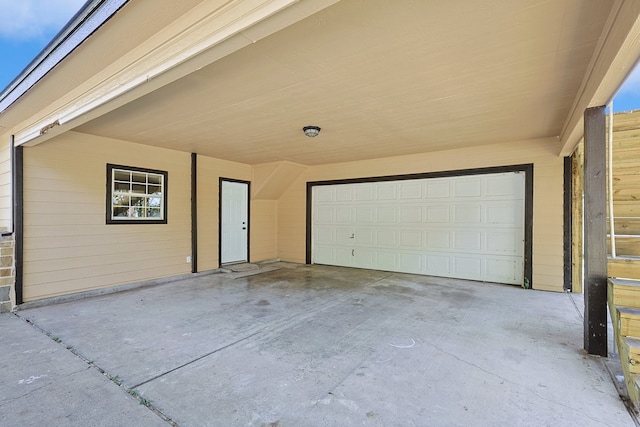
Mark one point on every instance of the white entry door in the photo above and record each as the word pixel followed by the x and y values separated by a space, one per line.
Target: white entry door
pixel 468 227
pixel 234 221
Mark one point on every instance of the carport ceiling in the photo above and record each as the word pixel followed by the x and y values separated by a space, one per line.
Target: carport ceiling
pixel 382 79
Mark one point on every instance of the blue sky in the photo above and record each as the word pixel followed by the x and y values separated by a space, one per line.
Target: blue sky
pixel 27 26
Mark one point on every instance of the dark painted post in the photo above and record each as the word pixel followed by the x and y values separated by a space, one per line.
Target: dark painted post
pixel 595 232
pixel 568 226
pixel 194 213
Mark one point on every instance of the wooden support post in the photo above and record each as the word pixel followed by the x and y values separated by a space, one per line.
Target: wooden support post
pixel 595 231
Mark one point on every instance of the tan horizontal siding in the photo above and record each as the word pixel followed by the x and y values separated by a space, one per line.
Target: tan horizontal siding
pixel 84 238
pixel 5 185
pixel 51 288
pixel 67 245
pixel 264 233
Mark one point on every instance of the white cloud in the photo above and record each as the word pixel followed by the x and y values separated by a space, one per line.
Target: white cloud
pixel 32 19
pixel 632 84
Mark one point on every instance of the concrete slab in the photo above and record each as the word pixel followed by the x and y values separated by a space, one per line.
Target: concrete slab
pixel 43 383
pixel 314 345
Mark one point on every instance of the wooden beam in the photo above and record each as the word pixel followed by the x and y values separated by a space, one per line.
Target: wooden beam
pixel 595 232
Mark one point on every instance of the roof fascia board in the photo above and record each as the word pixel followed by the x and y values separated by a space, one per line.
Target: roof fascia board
pixel 171 54
pixel 91 16
pixel 616 53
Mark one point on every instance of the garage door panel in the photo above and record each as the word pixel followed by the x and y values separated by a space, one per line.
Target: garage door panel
pixel 438 239
pixel 364 258
pixel 324 214
pixel 410 190
pixel 438 189
pixel 504 214
pixel 503 270
pixel 410 262
pixel 467 214
pixel 343 214
pixel 343 256
pixel 325 255
pixel 386 214
pixel 469 227
pixel 365 214
pixel 505 185
pixel 411 214
pixel 343 193
pixel 387 238
pixel 467 188
pixel 387 261
pixel 365 194
pixel 437 214
pixel 411 239
pixel 467 241
pixel 438 265
pixel 507 242
pixel 325 194
pixel 325 234
pixel 467 267
pixel 344 236
pixel 364 236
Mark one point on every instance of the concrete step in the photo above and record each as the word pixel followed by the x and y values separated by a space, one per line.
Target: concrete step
pixel 624 293
pixel 628 321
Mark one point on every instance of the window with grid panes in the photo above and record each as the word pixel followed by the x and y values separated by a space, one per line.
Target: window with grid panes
pixel 136 195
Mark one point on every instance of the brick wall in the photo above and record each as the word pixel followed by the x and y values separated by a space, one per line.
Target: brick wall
pixel 7 272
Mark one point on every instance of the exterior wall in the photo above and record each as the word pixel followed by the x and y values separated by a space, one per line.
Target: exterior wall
pixel 67 245
pixel 5 184
pixel 209 172
pixel 264 230
pixel 547 204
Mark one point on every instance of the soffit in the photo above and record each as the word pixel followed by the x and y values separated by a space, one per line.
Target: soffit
pixel 382 79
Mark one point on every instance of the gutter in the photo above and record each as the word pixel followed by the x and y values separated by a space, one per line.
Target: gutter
pixel 92 15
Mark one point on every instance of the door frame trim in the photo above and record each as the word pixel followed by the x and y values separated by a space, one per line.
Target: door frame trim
pixel 220 181
pixel 528 202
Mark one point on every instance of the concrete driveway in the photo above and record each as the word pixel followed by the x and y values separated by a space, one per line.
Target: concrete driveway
pixel 300 345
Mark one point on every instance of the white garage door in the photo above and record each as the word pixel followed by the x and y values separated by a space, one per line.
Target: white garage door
pixel 468 227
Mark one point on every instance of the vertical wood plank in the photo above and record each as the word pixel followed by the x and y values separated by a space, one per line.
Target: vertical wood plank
pixel 595 234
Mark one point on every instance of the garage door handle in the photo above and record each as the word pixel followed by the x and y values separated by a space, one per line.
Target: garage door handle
pixel 353 252
pixel 244 228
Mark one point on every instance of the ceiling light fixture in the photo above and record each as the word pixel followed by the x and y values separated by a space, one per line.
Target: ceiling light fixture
pixel 311 131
